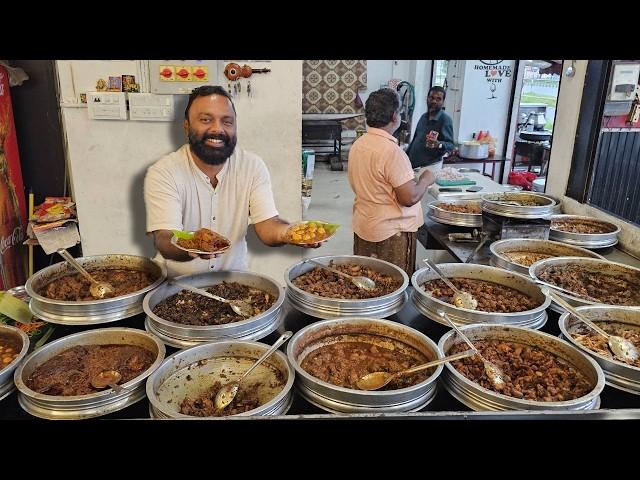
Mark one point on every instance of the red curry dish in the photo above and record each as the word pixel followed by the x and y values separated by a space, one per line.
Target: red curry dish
pixel 344 363
pixel 69 373
pixel 75 287
pixel 491 296
pixel 327 284
pixel 530 372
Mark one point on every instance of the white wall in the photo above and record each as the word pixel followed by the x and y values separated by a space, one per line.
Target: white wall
pixel 564 133
pixel 479 111
pixel 108 159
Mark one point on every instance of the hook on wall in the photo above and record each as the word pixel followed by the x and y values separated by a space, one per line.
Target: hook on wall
pixel 571 71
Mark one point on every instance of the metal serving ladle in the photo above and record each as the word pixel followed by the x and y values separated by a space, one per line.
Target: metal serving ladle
pixel 620 346
pixel 229 391
pixel 107 378
pixel 364 283
pixel 495 374
pixel 460 299
pixel 377 380
pixel 97 289
pixel 240 307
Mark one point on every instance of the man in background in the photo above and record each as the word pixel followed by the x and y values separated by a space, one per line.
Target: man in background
pixel 434 133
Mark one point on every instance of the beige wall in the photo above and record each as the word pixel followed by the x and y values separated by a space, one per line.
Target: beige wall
pixel 564 134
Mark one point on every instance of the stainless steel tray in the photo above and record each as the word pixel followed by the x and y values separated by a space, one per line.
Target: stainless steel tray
pixel 446 217
pixel 191 372
pixel 493 203
pixel 328 308
pixel 591 264
pixel 617 374
pixel 586 240
pixel 6 374
pixel 557 249
pixel 479 398
pixel 430 306
pixel 91 312
pixel 79 407
pixel 337 399
pixel 185 336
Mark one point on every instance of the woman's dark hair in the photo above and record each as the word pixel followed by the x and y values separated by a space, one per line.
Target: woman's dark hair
pixel 205 91
pixel 437 88
pixel 380 107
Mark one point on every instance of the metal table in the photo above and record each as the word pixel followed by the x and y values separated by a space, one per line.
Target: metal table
pixel 450 160
pixel 324 130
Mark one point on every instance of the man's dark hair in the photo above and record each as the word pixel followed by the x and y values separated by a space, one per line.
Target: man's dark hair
pixel 380 107
pixel 437 88
pixel 205 91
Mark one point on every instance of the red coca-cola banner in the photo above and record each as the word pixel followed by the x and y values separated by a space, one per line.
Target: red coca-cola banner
pixel 13 212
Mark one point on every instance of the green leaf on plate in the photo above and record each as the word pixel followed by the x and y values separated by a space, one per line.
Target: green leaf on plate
pixel 183 235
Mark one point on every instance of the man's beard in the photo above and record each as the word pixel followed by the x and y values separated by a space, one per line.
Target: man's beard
pixel 434 109
pixel 212 155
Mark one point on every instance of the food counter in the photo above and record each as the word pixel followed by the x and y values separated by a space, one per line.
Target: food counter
pixel 615 404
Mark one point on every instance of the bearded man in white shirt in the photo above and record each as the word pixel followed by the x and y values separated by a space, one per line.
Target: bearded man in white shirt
pixel 209 183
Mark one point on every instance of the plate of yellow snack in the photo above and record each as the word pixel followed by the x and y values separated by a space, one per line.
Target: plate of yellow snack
pixel 311 231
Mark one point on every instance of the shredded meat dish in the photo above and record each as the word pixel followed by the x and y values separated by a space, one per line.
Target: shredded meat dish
pixel 248 397
pixel 581 227
pixel 75 287
pixel 70 372
pixel 204 240
pixel 190 308
pixel 327 284
pixel 526 259
pixel 530 372
pixel 594 286
pixel 491 297
pixel 598 344
pixel 344 363
pixel 461 208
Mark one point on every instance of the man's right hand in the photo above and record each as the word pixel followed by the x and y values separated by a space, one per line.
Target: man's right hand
pixel 427 177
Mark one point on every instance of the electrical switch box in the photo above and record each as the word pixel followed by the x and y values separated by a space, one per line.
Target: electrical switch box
pixel 622 87
pixel 107 105
pixel 150 107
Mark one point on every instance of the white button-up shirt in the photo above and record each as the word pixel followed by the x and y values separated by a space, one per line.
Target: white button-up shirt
pixel 179 196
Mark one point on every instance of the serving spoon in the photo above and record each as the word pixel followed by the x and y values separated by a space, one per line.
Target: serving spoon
pixel 97 289
pixel 107 378
pixel 240 307
pixel 364 283
pixel 377 380
pixel 495 374
pixel 229 391
pixel 620 346
pixel 460 299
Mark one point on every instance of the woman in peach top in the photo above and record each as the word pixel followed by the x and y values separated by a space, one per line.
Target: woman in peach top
pixel 386 210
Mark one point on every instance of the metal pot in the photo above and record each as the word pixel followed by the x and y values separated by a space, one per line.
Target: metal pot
pixel 55 407
pixel 441 215
pixel 535 136
pixel 328 308
pixel 479 398
pixel 617 374
pixel 591 264
pixel 91 312
pixel 585 240
pixel 557 249
pixel 6 374
pixel 184 374
pixel 494 203
pixel 335 399
pixel 185 336
pixel 474 150
pixel 430 306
